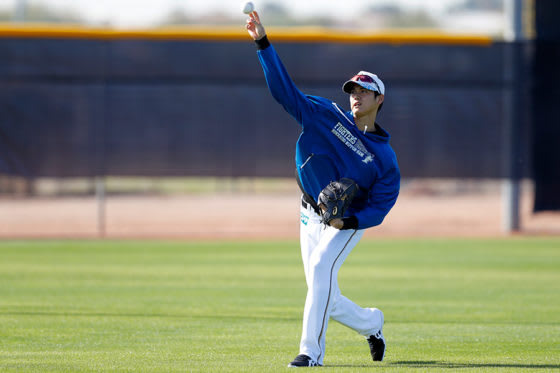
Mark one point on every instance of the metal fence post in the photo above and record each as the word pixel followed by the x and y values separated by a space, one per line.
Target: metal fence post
pixel 511 184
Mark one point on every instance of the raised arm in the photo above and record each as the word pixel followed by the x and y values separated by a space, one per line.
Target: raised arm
pixel 279 82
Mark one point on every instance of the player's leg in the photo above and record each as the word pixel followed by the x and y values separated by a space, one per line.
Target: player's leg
pixel 365 321
pixel 324 262
pixel 309 235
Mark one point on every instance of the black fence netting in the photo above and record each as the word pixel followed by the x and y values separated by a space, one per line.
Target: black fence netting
pixel 79 108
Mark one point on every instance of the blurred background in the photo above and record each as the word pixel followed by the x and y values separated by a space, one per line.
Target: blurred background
pixel 461 16
pixel 152 119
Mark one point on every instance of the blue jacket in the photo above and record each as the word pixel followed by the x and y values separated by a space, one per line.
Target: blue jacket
pixel 330 147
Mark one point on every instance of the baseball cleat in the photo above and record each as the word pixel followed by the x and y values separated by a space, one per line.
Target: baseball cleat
pixel 303 361
pixel 377 346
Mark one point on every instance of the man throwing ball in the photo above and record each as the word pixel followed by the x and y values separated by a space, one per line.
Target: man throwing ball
pixel 350 179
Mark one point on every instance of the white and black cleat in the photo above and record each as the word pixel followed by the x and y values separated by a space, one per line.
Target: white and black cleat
pixel 377 346
pixel 302 361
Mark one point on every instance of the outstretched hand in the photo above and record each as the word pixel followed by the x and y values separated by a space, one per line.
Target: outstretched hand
pixel 254 26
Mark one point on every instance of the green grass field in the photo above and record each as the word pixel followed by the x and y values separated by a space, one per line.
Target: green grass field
pixel 470 305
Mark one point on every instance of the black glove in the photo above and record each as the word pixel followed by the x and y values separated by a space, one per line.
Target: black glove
pixel 335 199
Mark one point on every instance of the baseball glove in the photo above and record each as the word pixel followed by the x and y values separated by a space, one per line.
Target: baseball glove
pixel 335 199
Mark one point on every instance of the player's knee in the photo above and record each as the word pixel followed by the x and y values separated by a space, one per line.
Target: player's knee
pixel 321 271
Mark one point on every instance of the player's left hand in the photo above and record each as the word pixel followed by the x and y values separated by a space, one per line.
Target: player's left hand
pixel 335 199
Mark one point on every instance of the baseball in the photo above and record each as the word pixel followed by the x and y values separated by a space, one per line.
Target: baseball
pixel 248 8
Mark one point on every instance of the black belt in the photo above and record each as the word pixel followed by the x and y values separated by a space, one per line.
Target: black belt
pixel 313 206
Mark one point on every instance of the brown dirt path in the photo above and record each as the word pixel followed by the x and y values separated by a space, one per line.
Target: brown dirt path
pixel 419 212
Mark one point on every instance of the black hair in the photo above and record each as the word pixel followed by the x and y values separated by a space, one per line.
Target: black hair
pixel 375 94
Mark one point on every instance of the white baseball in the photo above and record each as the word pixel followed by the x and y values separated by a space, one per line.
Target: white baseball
pixel 248 8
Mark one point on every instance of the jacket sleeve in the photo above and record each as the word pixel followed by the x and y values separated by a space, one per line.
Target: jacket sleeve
pixel 281 85
pixel 382 198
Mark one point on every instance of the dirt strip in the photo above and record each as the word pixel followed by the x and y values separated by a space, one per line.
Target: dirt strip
pixel 418 213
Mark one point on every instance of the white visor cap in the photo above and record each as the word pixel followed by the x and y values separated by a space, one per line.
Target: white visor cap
pixel 367 80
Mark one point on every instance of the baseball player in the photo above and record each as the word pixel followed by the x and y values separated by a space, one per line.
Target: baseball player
pixel 334 145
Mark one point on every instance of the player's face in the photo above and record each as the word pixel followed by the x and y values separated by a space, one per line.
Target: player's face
pixel 363 101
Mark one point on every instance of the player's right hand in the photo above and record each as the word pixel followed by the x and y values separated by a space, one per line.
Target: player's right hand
pixel 254 26
pixel 337 223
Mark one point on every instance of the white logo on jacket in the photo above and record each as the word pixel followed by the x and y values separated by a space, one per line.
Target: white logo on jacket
pixel 367 159
pixel 351 141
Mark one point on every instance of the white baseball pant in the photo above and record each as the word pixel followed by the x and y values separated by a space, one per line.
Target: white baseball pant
pixel 323 250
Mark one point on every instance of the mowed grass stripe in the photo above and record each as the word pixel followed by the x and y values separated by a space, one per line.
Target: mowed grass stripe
pixel 475 304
